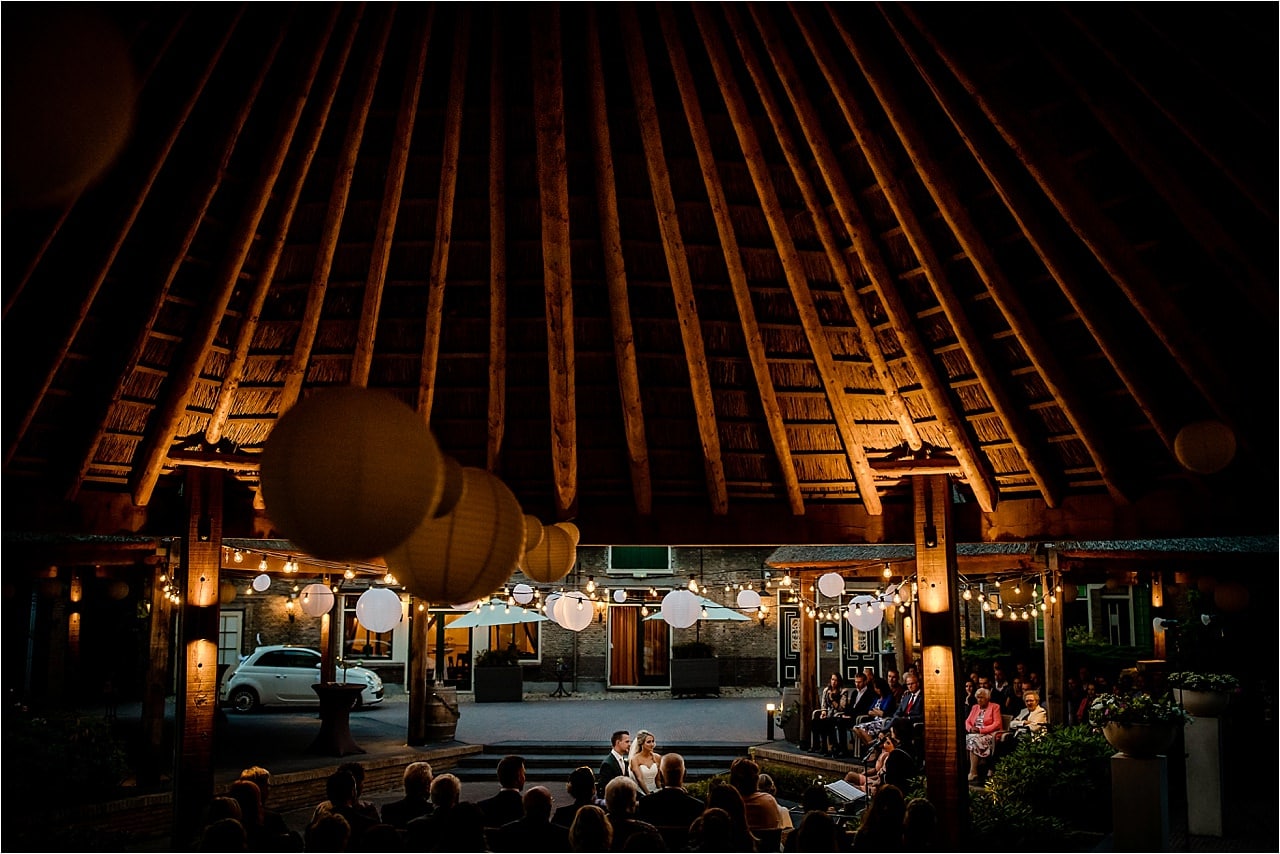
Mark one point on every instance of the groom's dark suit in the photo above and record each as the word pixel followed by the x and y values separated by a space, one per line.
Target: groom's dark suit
pixel 609 769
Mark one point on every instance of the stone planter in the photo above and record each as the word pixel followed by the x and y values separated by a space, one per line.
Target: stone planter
pixel 1141 741
pixel 1203 704
pixel 504 684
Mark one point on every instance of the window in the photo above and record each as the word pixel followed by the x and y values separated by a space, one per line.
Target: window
pixel 359 642
pixel 523 636
pixel 639 560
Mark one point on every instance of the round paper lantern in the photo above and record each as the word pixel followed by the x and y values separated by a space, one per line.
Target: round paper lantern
pixel 349 473
pixel 118 590
pixel 620 596
pixel 864 613
pixel 469 553
pixel 70 85
pixel 1015 593
pixel 454 485
pixel 831 584
pixel 1231 596
pixel 378 609
pixel 532 533
pixel 1205 447
pixel 553 599
pixel 748 599
pixel 317 600
pixel 680 608
pixel 553 557
pixel 522 593
pixel 226 593
pixel 570 529
pixel 261 583
pixel 575 612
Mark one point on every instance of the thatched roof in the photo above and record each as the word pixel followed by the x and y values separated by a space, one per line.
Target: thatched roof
pixel 746 262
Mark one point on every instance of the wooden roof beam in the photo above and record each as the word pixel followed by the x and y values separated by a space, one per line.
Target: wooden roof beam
pixel 624 345
pixel 397 162
pixel 791 264
pixel 496 418
pixel 677 260
pixel 183 376
pixel 878 271
pixel 891 179
pixel 553 192
pixel 274 246
pixel 295 372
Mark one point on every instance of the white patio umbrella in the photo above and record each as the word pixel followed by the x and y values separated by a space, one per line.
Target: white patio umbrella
pixel 496 613
pixel 715 611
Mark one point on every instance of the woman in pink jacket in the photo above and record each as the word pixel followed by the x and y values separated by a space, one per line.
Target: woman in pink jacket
pixel 980 728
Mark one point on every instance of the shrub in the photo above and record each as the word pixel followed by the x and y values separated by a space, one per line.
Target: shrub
pixel 1061 774
pixel 1190 680
pixel 1136 709
pixel 73 755
pixel 996 821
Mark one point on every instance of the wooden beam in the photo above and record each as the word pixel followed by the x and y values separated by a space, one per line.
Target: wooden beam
pixel 497 402
pixel 126 220
pixel 553 190
pixel 155 760
pixel 956 214
pixel 901 320
pixel 624 345
pixel 393 187
pixel 790 259
pixel 295 371
pixel 733 260
pixel 891 179
pixel 166 418
pixel 1055 647
pixel 677 259
pixel 437 276
pixel 274 247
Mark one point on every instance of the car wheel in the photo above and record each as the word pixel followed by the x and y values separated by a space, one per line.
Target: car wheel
pixel 359 702
pixel 244 699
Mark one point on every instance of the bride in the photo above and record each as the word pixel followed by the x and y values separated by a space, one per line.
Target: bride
pixel 645 763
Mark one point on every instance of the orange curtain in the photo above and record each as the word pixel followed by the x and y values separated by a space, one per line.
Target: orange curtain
pixel 656 654
pixel 624 635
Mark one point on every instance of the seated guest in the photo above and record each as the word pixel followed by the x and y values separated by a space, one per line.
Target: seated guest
pixel 621 797
pixel 830 702
pixel 417 796
pixel 672 805
pixel 582 788
pixel 422 833
pixel 533 831
pixel 507 805
pixel 1032 719
pixel 759 808
pixel 980 728
pixel 591 830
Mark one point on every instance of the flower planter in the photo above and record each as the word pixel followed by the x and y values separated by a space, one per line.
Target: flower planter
pixel 1141 741
pixel 504 684
pixel 1203 704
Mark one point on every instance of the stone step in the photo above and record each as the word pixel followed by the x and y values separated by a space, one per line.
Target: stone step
pixel 555 761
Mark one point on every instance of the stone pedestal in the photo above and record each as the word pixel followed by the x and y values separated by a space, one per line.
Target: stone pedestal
pixel 1204 777
pixel 1139 803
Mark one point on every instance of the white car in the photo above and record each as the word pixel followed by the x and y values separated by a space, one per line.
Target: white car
pixel 282 675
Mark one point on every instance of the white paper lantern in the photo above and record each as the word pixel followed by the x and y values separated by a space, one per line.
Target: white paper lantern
pixel 864 613
pixel 454 486
pixel 831 584
pixel 553 558
pixel 226 592
pixel 317 600
pixel 522 593
pixel 468 554
pixel 575 611
pixel 532 533
pixel 118 589
pixel 378 609
pixel 620 596
pixel 261 583
pixel 680 608
pixel 349 473
pixel 1205 447
pixel 570 529
pixel 467 606
pixel 748 599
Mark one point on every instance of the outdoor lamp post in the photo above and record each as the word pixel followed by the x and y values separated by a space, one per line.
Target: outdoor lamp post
pixel 770 708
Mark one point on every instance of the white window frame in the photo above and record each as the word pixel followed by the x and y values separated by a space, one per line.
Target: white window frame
pixel 639 573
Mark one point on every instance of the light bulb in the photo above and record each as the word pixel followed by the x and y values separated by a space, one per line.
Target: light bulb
pixel 262 564
pixel 644 610
pixel 888 571
pixel 786 580
pixel 591 584
pixel 704 612
pixel 421 607
pixel 986 606
pixel 579 604
pixel 693 585
pixel 238 556
pixel 1000 613
pixel 966 595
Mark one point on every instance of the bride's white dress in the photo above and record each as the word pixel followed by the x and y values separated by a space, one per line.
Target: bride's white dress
pixel 649 776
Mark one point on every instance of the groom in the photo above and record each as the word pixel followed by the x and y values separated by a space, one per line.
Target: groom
pixel 615 764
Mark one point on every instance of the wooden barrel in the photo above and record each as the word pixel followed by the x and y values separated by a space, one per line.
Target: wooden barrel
pixel 439 714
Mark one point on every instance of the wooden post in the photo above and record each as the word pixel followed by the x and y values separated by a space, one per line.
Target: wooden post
pixel 154 761
pixel 1055 652
pixel 808 662
pixel 939 632
pixel 419 641
pixel 197 702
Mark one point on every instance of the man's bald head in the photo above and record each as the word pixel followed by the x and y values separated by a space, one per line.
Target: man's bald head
pixel 537 802
pixel 672 767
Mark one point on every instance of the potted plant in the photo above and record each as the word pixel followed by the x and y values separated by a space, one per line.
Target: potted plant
pixel 1138 725
pixel 787 718
pixel 694 669
pixel 1203 694
pixel 498 677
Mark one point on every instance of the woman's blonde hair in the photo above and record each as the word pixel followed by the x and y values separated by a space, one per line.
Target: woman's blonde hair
pixel 638 742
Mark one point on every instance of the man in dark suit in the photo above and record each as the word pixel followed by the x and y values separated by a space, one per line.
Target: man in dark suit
pixel 417 796
pixel 615 764
pixel 858 704
pixel 533 831
pixel 507 804
pixel 910 712
pixel 582 789
pixel 672 805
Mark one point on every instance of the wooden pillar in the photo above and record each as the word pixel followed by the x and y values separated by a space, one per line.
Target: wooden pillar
pixel 156 760
pixel 1055 650
pixel 329 640
pixel 419 643
pixel 808 661
pixel 197 701
pixel 939 632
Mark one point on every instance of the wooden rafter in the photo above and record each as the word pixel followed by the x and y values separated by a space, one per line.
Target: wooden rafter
pixel 733 261
pixel 624 345
pixel 398 161
pixel 957 216
pixel 891 179
pixel 167 416
pixel 677 261
pixel 295 370
pixel 437 276
pixel 553 191
pixel 791 264
pixel 496 419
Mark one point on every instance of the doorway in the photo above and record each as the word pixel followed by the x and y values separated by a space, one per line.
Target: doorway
pixel 639 649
